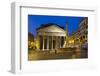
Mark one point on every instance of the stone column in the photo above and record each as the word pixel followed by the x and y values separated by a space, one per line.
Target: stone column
pixel 47 42
pixel 64 41
pixel 52 42
pixel 60 41
pixel 55 41
pixel 43 44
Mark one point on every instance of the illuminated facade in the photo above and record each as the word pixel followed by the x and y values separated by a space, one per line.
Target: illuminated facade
pixel 31 41
pixel 51 37
pixel 79 37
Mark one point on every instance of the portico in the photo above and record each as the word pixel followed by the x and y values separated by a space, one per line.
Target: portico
pixel 51 37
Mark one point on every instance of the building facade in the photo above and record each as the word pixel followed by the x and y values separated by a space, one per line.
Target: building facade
pixel 80 36
pixel 51 37
pixel 31 41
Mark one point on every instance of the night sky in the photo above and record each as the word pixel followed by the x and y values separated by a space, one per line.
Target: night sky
pixel 35 21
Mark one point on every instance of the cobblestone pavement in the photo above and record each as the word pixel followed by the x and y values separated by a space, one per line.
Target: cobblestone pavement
pixel 45 55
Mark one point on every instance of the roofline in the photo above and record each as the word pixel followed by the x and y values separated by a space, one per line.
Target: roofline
pixel 47 25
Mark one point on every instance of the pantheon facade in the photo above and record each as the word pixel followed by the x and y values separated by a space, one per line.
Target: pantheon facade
pixel 51 36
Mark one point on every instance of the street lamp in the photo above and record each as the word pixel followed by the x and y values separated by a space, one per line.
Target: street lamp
pixel 71 42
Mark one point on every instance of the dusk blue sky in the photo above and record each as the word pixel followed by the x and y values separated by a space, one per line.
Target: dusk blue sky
pixel 35 21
